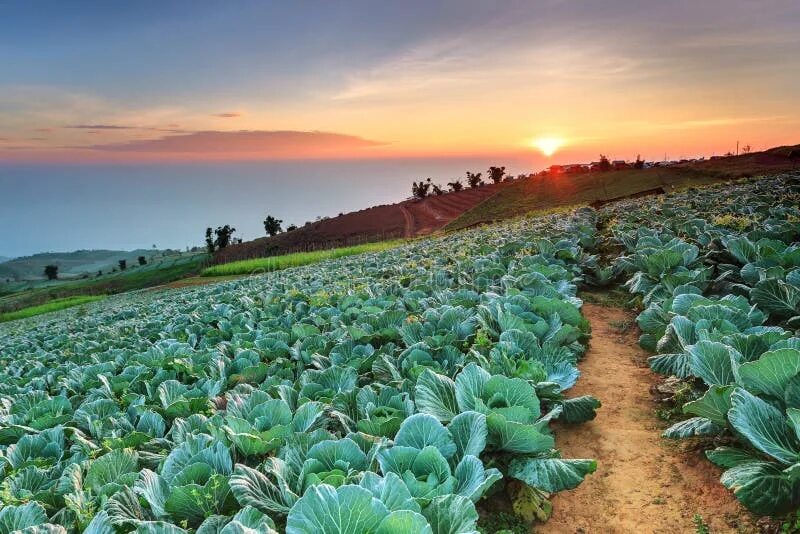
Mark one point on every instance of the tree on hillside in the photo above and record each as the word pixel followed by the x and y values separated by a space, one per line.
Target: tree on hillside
pixel 455 186
pixel 100 273
pixel 746 149
pixel 224 234
pixel 474 180
pixel 123 264
pixel 51 272
pixel 291 228
pixel 496 174
pixel 210 240
pixel 605 164
pixel 219 238
pixel 437 190
pixel 142 260
pixel 272 225
pixel 421 189
pixel 639 163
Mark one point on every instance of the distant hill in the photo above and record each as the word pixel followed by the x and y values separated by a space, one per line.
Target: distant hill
pixel 4 258
pixel 70 264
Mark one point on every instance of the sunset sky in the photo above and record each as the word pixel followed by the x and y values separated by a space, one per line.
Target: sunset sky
pixel 143 81
pixel 121 84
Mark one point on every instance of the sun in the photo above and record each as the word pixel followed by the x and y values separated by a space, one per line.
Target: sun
pixel 548 145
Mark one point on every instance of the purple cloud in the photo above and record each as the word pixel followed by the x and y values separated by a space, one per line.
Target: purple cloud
pixel 279 144
pixel 101 127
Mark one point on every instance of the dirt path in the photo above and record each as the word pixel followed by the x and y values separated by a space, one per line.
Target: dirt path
pixel 643 483
pixel 408 230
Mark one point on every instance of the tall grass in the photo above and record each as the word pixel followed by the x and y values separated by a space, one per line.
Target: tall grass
pixel 276 263
pixel 53 305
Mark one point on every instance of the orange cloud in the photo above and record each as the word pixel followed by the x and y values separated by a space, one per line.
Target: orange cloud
pixel 228 115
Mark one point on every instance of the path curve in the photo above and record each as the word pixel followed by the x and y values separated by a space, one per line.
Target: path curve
pixel 408 230
pixel 644 483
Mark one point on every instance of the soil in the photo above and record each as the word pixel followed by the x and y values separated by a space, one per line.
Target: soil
pixel 408 222
pixel 195 281
pixel 410 218
pixel 643 483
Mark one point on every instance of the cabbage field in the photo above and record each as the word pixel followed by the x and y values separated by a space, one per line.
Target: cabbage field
pixel 718 271
pixel 390 392
pixel 382 393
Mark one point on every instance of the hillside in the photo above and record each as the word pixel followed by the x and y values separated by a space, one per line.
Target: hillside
pixel 454 211
pixel 4 259
pixel 409 218
pixel 547 192
pixel 70 264
pixel 160 269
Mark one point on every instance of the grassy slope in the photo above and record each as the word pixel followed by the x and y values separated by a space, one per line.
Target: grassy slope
pixel 276 263
pixel 71 263
pixel 54 305
pixel 545 193
pixel 119 282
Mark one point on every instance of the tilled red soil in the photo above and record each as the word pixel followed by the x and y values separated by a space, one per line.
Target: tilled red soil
pixel 409 218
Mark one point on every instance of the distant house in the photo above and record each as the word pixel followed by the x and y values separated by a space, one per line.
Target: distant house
pixel 619 164
pixel 576 168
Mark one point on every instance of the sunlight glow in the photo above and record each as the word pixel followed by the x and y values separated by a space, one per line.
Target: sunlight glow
pixel 548 145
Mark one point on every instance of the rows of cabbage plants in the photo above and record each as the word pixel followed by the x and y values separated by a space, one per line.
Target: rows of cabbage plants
pixel 384 393
pixel 718 271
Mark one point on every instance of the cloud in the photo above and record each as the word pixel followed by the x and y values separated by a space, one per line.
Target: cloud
pixel 95 128
pixel 279 144
pixel 101 127
pixel 709 122
pixel 228 115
